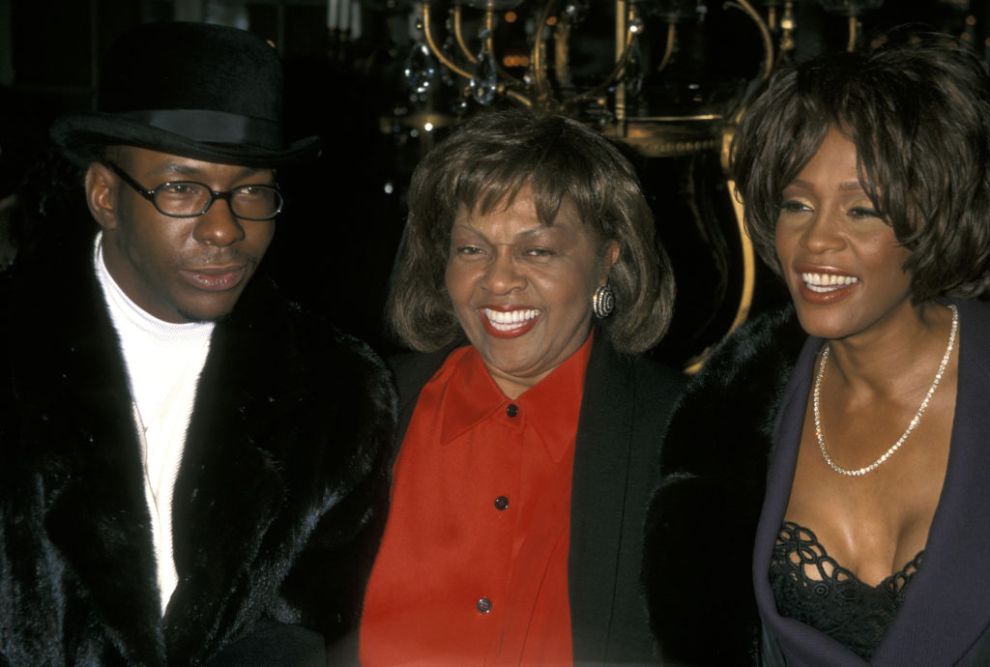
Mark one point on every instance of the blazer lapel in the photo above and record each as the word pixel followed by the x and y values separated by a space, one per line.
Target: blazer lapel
pixel 601 456
pixel 801 643
pixel 945 608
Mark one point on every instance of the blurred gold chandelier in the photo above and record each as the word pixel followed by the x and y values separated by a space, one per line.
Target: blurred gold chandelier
pixel 641 98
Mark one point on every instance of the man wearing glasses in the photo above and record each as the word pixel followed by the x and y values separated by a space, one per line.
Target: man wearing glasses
pixel 193 468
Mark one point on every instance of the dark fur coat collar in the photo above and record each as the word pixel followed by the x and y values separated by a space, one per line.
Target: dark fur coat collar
pixel 702 520
pixel 278 500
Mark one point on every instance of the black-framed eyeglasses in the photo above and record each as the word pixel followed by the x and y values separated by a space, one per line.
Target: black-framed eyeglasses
pixel 188 199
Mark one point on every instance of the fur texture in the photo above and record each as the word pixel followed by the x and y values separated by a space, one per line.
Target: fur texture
pixel 278 503
pixel 702 519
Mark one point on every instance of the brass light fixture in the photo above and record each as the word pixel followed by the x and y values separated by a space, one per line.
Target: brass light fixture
pixel 636 101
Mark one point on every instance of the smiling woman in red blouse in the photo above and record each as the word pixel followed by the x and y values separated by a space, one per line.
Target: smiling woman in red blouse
pixel 528 278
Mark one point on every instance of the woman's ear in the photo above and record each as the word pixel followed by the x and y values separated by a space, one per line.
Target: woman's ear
pixel 609 258
pixel 101 195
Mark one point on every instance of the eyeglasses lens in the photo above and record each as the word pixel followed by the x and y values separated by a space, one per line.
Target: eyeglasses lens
pixel 251 202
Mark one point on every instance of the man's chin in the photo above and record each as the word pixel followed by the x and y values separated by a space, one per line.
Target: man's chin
pixel 202 306
pixel 202 318
pixel 205 312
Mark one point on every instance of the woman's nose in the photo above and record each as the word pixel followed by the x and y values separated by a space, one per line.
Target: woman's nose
pixel 503 275
pixel 823 233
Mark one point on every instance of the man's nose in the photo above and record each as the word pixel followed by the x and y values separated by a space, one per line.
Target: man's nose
pixel 219 226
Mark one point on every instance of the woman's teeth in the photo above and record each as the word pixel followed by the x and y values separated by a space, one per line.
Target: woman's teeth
pixel 827 282
pixel 507 320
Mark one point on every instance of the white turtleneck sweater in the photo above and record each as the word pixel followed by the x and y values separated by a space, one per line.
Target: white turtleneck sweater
pixel 164 361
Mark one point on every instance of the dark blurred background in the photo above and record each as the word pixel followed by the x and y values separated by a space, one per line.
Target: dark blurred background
pixel 362 75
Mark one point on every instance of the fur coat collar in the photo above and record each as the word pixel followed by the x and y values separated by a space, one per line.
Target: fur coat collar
pixel 702 520
pixel 278 501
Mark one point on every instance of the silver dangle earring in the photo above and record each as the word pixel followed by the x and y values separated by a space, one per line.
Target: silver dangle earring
pixel 603 301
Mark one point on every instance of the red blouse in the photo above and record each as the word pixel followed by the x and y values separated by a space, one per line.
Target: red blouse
pixel 473 564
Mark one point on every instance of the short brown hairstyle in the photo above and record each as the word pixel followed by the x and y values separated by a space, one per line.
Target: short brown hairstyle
pixel 487 161
pixel 917 108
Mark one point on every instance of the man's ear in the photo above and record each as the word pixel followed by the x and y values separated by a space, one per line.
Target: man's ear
pixel 101 195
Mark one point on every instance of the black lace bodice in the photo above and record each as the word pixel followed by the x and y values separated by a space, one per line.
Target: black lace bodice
pixel 809 586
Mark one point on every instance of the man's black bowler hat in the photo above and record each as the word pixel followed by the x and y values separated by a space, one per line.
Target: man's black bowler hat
pixel 198 90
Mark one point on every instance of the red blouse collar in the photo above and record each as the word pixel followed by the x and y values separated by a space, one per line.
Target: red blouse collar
pixel 551 407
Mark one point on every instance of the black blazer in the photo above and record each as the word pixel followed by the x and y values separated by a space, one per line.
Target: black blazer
pixel 945 616
pixel 624 412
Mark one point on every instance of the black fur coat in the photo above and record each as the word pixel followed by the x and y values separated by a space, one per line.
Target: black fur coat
pixel 702 520
pixel 278 503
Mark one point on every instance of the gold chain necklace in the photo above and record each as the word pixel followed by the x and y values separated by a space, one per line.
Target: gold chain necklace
pixel 859 472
